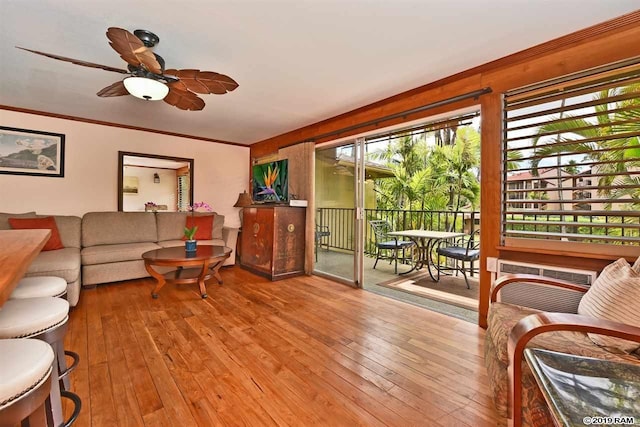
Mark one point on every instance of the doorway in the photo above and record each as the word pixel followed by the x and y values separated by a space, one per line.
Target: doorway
pixel 338 221
pixel 423 177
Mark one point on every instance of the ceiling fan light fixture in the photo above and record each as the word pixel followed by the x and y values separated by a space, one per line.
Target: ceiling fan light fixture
pixel 147 89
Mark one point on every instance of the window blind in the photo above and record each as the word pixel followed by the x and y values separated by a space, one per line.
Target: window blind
pixel 183 192
pixel 571 158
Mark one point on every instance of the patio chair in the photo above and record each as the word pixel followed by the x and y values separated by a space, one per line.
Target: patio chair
pixel 321 238
pixel 388 247
pixel 463 251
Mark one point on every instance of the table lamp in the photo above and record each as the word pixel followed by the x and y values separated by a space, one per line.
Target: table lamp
pixel 244 200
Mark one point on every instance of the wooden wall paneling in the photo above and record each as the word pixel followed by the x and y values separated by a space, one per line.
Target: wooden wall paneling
pixel 490 193
pixel 396 104
pixel 570 249
pixel 565 260
pixel 580 56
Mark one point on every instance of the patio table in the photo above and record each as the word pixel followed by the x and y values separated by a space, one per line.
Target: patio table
pixel 425 241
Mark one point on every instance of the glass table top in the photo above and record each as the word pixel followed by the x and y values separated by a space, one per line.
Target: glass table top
pixel 577 388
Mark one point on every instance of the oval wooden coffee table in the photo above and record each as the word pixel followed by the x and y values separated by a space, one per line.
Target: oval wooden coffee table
pixel 192 267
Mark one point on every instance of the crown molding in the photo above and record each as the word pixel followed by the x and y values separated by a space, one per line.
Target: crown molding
pixel 117 125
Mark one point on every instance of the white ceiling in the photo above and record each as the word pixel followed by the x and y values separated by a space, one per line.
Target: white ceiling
pixel 297 61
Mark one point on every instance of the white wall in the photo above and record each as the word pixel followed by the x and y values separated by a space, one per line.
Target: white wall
pixel 90 180
pixel 162 193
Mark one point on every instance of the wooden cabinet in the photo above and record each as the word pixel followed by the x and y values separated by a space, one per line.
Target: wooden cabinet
pixel 273 241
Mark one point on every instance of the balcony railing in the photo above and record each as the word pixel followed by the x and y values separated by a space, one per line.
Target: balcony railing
pixel 610 227
pixel 341 224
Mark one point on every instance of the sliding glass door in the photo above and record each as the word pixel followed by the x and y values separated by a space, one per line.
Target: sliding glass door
pixel 339 204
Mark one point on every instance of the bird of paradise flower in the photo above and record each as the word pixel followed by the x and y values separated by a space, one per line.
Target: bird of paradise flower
pixel 271 180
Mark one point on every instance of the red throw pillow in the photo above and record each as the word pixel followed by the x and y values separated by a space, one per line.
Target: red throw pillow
pixel 48 222
pixel 204 224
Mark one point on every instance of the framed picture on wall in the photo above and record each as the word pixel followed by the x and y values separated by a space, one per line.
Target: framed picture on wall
pixel 130 185
pixel 31 152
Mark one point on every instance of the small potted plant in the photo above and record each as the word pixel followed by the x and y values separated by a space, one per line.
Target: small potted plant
pixel 190 232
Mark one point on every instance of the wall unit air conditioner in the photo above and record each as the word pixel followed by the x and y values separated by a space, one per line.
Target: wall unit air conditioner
pixel 541 297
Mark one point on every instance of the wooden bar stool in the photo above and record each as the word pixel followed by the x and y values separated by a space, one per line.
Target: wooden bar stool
pixel 44 319
pixel 40 286
pixel 25 382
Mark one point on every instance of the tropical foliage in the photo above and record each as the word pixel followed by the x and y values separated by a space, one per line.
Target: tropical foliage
pixel 429 174
pixel 609 138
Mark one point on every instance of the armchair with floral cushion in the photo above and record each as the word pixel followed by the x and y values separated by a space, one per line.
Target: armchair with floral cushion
pixel 606 326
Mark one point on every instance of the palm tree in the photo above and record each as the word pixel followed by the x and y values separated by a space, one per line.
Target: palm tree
pixel 453 170
pixel 436 178
pixel 596 141
pixel 405 156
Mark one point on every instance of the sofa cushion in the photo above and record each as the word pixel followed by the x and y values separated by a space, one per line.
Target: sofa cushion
pixel 63 263
pixel 615 296
pixel 104 254
pixel 171 225
pixel 111 228
pixel 113 272
pixel 503 317
pixel 172 243
pixel 46 223
pixel 68 226
pixel 204 224
pixel 4 218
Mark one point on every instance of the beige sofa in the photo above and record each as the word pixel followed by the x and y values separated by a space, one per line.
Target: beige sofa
pixel 108 246
pixel 64 262
pixel 113 242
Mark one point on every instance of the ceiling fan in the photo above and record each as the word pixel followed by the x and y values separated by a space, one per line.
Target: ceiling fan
pixel 148 78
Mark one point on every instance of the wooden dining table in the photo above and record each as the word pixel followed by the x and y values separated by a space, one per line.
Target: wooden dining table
pixel 425 241
pixel 18 248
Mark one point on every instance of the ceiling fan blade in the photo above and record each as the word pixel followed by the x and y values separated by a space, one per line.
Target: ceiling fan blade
pixel 183 99
pixel 116 89
pixel 132 50
pixel 76 61
pixel 203 81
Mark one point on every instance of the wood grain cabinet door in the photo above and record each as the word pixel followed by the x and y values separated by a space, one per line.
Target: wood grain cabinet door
pixel 289 243
pixel 257 238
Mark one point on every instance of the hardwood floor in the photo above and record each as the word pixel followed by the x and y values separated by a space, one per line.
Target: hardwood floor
pixel 298 352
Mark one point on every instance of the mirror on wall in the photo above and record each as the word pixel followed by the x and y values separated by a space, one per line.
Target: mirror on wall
pixel 150 182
